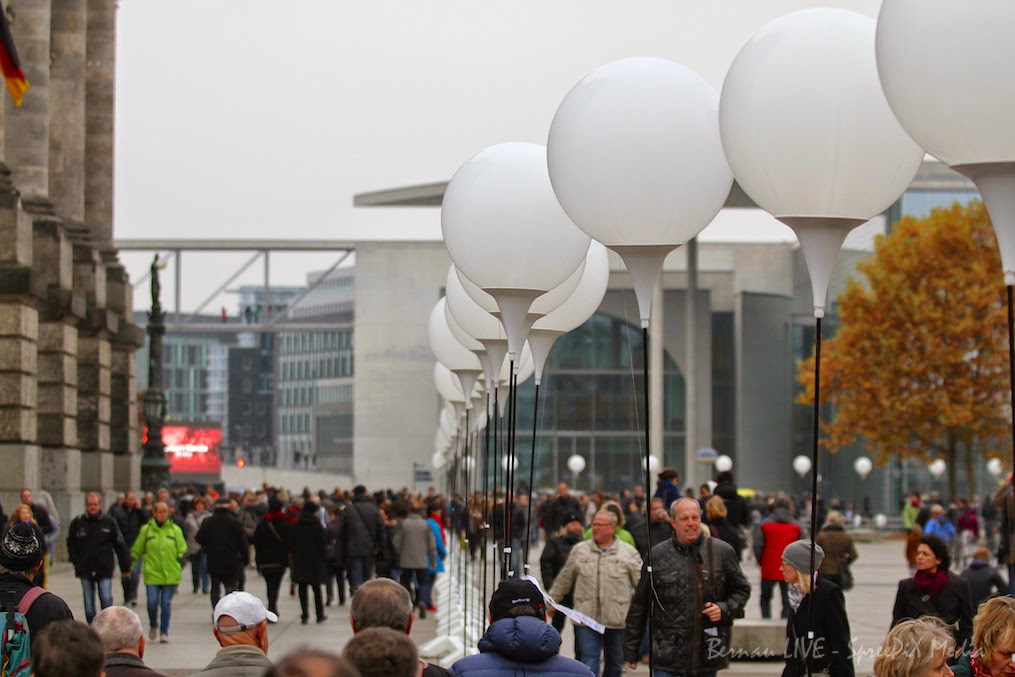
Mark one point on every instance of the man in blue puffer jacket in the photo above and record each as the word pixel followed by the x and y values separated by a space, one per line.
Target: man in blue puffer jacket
pixel 519 641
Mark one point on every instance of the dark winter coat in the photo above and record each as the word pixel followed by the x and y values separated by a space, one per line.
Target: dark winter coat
pixel 838 546
pixel 129 521
pixel 557 509
pixel 92 543
pixel 686 577
pixel 361 531
pixel 46 609
pixel 724 531
pixel 952 605
pixel 737 511
pixel 225 542
pixel 831 649
pixel 333 544
pixel 519 646
pixel 554 556
pixel 983 581
pixel 271 541
pixel 306 543
pixel 127 665
pixel 668 491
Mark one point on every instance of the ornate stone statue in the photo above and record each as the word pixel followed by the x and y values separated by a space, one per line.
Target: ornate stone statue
pixel 156 286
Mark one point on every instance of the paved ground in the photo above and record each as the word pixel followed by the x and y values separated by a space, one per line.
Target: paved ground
pixel 192 645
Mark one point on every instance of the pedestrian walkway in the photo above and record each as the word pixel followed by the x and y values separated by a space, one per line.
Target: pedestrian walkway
pixel 192 646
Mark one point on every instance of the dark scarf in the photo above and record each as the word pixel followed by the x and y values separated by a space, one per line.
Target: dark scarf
pixel 932 583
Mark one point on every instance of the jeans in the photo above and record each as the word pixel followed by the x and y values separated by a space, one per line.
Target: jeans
pixel 88 587
pixel 199 571
pixel 360 569
pixel 591 644
pixel 422 579
pixel 160 596
pixel 230 584
pixel 130 585
pixel 767 587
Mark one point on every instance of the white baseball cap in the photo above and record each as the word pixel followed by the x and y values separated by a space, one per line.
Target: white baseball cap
pixel 243 608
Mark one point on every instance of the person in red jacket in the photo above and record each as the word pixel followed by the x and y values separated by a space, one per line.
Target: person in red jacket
pixel 769 540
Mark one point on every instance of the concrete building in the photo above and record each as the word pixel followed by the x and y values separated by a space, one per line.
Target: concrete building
pixel 68 418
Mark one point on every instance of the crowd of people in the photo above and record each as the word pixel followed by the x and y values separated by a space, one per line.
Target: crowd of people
pixel 643 578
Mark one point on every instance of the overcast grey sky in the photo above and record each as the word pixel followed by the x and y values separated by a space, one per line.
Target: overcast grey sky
pixel 258 119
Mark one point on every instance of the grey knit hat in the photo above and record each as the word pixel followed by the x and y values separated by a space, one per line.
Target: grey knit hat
pixel 19 550
pixel 798 555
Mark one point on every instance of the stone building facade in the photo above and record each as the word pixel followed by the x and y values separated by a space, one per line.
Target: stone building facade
pixel 68 412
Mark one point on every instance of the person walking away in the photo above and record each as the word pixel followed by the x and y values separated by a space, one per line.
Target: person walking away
pixel 161 542
pixel 416 547
pixel 719 525
pixel 23 515
pixel 196 555
pixel 935 591
pixel 362 537
pixel 306 543
pixel 770 538
pixel 554 557
pixel 130 517
pixel 271 546
pixel 225 543
pixel 334 558
pixel 828 651
pixel 603 574
pixel 93 540
pixel 984 580
pixel 693 594
pixel 839 551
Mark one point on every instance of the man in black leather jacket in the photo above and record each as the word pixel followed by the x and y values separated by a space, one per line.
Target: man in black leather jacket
pixel 699 589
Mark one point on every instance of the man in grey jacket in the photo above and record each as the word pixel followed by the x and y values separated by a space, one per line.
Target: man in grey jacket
pixel 241 628
pixel 417 549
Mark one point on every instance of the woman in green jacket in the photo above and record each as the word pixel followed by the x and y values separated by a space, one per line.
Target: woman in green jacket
pixel 161 543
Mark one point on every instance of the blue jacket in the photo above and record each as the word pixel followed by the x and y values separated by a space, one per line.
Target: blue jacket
pixel 442 552
pixel 519 646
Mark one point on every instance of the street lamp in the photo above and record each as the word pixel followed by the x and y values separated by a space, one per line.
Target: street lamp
pixel 154 464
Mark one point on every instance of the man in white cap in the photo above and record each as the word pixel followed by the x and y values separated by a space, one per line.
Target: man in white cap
pixel 241 627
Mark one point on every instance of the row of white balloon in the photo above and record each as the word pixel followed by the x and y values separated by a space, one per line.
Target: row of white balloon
pixel 863 466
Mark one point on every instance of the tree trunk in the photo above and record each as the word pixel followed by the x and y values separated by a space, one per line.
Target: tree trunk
pixel 950 455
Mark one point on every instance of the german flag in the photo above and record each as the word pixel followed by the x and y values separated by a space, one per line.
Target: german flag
pixel 9 62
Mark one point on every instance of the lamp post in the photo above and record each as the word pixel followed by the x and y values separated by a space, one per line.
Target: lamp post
pixel 154 465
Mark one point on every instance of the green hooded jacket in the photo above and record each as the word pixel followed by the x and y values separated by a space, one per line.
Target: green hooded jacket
pixel 162 547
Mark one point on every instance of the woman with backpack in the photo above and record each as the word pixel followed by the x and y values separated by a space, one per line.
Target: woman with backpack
pixel 162 544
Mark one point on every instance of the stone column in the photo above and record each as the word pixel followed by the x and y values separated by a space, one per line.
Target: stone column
pixel 124 441
pixel 67 108
pixel 94 360
pixel 100 85
pixel 19 331
pixel 62 309
pixel 27 127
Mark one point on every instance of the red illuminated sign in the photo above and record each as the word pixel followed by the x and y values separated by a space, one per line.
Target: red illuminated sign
pixel 192 449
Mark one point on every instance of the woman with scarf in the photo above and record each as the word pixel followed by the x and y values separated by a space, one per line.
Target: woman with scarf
pixel 993 650
pixel 829 652
pixel 271 545
pixel 935 591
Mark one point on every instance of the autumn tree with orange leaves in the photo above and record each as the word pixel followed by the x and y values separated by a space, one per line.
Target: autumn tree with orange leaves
pixel 919 365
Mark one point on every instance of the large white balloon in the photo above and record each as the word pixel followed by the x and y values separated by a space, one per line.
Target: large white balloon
pixel 863 466
pixel 957 102
pixel 809 133
pixel 636 161
pixel 801 464
pixel 449 351
pixel 506 231
pixel 723 463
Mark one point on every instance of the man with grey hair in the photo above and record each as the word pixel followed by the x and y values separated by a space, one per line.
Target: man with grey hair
pixel 383 603
pixel 92 541
pixel 123 640
pixel 603 596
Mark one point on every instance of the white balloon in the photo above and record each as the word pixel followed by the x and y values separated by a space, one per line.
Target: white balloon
pixel 809 133
pixel 880 520
pixel 462 336
pixel 448 385
pixel 958 102
pixel 802 465
pixel 723 463
pixel 449 351
pixel 575 463
pixel 437 460
pixel 994 466
pixel 506 231
pixel 635 159
pixel 937 467
pixel 863 466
